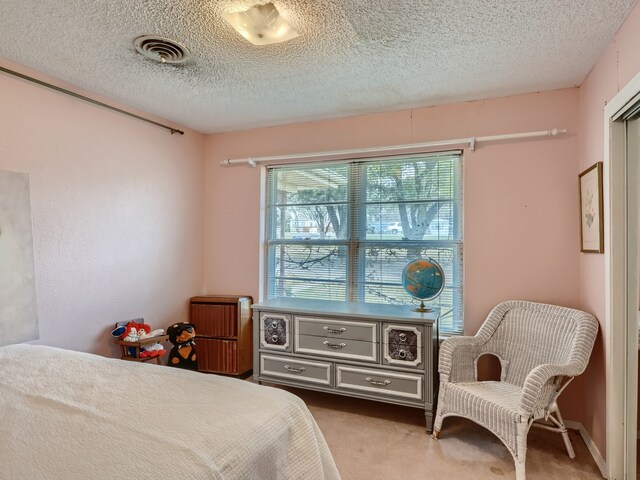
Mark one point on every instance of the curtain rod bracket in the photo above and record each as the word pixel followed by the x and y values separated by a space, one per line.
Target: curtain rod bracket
pixel 251 162
pixel 472 144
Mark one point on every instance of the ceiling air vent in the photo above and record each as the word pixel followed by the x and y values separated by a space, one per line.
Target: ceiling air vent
pixel 161 49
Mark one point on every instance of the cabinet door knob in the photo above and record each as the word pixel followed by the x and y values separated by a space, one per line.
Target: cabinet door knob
pixel 274 324
pixel 334 345
pixel 274 338
pixel 402 353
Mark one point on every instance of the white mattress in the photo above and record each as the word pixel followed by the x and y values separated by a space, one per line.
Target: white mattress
pixel 70 415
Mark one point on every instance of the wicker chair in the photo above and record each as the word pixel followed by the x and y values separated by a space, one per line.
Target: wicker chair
pixel 540 348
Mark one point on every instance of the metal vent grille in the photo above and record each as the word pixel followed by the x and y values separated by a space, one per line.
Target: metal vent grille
pixel 161 49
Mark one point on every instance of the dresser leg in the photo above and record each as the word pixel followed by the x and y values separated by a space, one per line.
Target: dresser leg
pixel 429 420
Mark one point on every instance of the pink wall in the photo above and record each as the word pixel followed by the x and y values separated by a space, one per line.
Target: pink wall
pixel 520 210
pixel 118 213
pixel 616 67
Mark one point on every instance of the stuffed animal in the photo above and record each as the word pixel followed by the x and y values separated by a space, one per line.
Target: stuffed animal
pixel 183 353
pixel 137 330
pixel 151 349
pixel 130 333
pixel 127 333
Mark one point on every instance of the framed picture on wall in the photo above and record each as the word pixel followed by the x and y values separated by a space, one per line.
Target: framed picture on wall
pixel 591 210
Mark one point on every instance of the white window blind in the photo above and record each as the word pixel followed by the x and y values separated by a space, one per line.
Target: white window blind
pixel 345 231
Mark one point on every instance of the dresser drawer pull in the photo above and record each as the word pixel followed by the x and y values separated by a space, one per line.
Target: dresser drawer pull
pixel 334 345
pixel 378 383
pixel 274 324
pixel 333 330
pixel 402 354
pixel 274 338
pixel 294 370
pixel 403 337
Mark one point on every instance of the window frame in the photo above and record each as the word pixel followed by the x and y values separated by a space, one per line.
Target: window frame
pixel 357 243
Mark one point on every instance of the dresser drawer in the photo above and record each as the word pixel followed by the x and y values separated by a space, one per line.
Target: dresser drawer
pixel 217 355
pixel 275 331
pixel 402 345
pixel 332 328
pixel 336 348
pixel 306 371
pixel 407 386
pixel 215 320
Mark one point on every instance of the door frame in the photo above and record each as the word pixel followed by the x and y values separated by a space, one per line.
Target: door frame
pixel 621 422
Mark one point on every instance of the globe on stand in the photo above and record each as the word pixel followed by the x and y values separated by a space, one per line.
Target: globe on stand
pixel 423 279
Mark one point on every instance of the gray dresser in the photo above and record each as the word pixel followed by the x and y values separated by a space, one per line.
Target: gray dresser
pixel 385 353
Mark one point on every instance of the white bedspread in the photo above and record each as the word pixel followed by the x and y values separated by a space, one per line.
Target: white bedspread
pixel 70 415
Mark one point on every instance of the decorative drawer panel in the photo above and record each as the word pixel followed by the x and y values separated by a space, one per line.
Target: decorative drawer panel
pixel 337 348
pixel 215 320
pixel 331 328
pixel 402 345
pixel 306 371
pixel 219 356
pixel 407 386
pixel 275 331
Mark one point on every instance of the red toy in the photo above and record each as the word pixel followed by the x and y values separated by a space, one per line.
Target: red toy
pixel 137 330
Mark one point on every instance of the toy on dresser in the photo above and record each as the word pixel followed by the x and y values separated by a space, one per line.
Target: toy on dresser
pixel 183 353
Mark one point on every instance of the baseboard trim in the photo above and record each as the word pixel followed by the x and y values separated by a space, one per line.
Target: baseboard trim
pixel 593 449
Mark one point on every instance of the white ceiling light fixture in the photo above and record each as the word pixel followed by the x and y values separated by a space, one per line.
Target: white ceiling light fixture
pixel 261 25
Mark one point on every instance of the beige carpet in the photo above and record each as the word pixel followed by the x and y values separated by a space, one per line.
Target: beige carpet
pixel 371 441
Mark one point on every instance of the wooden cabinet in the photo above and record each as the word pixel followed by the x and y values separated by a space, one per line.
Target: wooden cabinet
pixel 385 353
pixel 223 333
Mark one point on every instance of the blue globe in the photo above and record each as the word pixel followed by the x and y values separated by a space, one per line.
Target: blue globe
pixel 423 279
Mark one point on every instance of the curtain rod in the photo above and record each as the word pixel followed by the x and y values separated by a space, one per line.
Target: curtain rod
pixel 380 151
pixel 87 99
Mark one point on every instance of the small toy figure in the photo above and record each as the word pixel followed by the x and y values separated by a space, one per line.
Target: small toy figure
pixel 130 333
pixel 151 349
pixel 127 333
pixel 137 330
pixel 183 353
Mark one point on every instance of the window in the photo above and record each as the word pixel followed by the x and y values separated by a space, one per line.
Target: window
pixel 344 231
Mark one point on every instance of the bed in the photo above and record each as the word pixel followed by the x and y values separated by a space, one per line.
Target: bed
pixel 71 415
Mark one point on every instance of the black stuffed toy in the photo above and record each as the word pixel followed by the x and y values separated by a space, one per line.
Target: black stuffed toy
pixel 183 353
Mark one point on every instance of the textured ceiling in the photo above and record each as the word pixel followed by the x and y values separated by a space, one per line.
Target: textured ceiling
pixel 352 56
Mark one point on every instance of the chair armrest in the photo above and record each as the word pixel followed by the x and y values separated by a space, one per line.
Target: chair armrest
pixel 539 389
pixel 457 358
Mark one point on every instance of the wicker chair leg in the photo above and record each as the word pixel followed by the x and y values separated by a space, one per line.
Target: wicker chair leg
pixel 437 422
pixel 565 435
pixel 521 450
pixel 557 425
pixel 567 443
pixel 520 471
